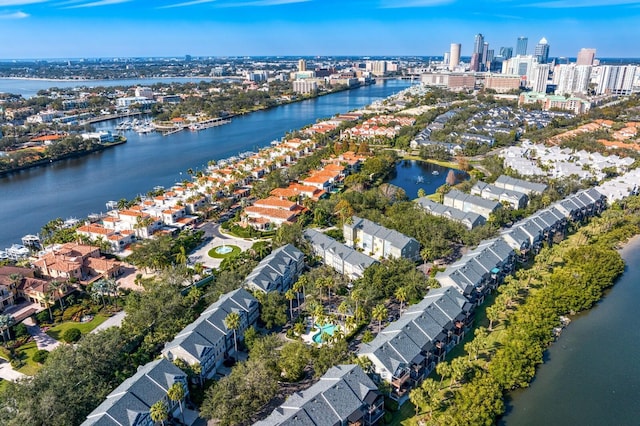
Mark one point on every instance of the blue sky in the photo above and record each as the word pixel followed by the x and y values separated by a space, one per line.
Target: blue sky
pixel 108 28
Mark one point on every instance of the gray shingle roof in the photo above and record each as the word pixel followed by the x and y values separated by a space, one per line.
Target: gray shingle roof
pixel 508 182
pixel 339 394
pixel 134 397
pixel 266 275
pixel 469 219
pixel 395 238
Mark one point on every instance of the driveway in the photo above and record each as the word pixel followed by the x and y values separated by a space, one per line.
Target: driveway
pixel 42 339
pixel 8 373
pixel 113 321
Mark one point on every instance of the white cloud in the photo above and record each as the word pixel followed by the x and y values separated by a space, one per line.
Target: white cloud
pixel 14 15
pixel 98 3
pixel 397 4
pixel 567 4
pixel 261 3
pixel 20 2
pixel 187 3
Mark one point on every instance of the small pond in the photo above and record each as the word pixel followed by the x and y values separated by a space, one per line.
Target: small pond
pixel 411 175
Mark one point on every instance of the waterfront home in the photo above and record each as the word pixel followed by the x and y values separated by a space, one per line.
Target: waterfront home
pixel 207 341
pixel 470 203
pixel 408 349
pixel 271 211
pixel 298 191
pixel 345 260
pixel 278 271
pixel 378 241
pixel 519 185
pixel 343 396
pixel 77 261
pixel 118 240
pixel 469 219
pixel 130 403
pixel 517 200
pixel 326 178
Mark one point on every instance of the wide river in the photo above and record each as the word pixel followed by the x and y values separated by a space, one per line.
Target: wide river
pixel 591 375
pixel 78 187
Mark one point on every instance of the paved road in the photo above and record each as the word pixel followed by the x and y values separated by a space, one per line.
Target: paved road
pixel 214 238
pixel 8 373
pixel 113 321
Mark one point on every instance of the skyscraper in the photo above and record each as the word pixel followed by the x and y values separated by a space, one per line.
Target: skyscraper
pixel 506 52
pixel 586 56
pixel 302 65
pixel 521 46
pixel 542 51
pixel 454 56
pixel 478 48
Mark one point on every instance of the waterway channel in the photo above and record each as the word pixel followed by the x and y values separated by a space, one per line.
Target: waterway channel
pixel 80 186
pixel 591 374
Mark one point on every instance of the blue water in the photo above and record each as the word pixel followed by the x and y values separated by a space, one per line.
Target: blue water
pixel 80 186
pixel 412 175
pixel 327 328
pixel 591 375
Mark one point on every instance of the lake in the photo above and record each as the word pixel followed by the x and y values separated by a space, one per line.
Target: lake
pixel 412 175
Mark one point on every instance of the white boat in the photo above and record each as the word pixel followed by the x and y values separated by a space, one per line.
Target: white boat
pixel 435 172
pixel 420 179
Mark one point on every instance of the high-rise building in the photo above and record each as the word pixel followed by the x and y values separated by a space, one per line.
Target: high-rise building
pixel 454 55
pixel 485 55
pixel 478 48
pixel 571 79
pixel 586 56
pixel 521 46
pixel 542 51
pixel 616 80
pixel 302 65
pixel 506 52
pixel 539 77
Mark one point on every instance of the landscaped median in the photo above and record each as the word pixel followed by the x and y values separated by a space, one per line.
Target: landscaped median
pixel 58 330
pixel 223 252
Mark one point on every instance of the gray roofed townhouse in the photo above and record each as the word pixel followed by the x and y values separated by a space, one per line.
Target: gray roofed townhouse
pixel 207 340
pixel 517 200
pixel 345 260
pixel 345 395
pixel 406 350
pixel 526 187
pixel 470 203
pixel 129 404
pixel 379 242
pixel 277 271
pixel 516 238
pixel 469 219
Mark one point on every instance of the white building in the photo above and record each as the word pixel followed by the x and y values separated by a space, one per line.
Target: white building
pixel 571 78
pixel 616 80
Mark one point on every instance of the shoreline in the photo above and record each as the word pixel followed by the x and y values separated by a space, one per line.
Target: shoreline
pixel 85 80
pixel 47 161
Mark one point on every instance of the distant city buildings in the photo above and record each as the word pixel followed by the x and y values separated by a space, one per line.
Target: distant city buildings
pixel 521 46
pixel 454 56
pixel 586 56
pixel 542 51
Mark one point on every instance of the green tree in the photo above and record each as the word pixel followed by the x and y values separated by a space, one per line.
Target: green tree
pixel 379 313
pixel 293 359
pixel 290 295
pixel 176 393
pixel 401 296
pixel 159 412
pixel 273 310
pixel 71 335
pixel 232 322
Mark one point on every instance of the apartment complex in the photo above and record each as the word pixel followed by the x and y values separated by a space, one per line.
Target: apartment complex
pixel 379 242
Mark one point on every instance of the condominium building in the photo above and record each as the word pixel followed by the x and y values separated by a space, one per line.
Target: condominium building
pixel 378 241
pixel 278 271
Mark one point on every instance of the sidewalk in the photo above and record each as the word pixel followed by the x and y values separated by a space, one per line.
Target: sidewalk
pixel 42 339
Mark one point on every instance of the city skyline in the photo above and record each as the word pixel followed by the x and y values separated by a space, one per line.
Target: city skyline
pixel 121 28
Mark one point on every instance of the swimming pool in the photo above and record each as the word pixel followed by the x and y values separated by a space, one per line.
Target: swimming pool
pixel 327 328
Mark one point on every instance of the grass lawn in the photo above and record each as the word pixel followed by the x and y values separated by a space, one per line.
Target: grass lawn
pixel 235 250
pixel 3 385
pixel 404 416
pixel 31 367
pixel 84 327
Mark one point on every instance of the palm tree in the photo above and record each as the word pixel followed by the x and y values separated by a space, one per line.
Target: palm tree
pixel 350 323
pixel 181 256
pixel 298 286
pixel 48 301
pixel 111 285
pixel 290 295
pixel 343 308
pixel 177 393
pixel 379 313
pixel 6 321
pixel 159 412
pixel 401 295
pixel 58 288
pixel 232 322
